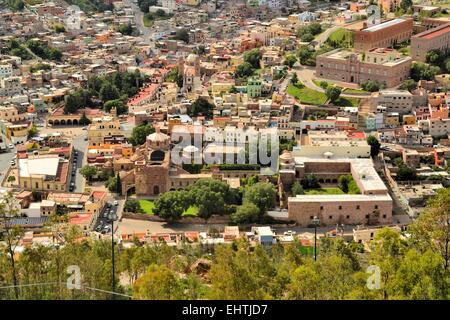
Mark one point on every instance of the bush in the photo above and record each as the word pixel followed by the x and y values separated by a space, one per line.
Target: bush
pixel 133 206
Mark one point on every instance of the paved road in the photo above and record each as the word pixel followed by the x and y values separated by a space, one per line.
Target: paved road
pixel 5 161
pixel 80 146
pixel 103 224
pixel 139 18
pixel 307 74
pixel 321 38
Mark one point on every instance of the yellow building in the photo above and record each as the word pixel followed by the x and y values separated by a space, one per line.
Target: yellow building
pixel 193 3
pixel 10 114
pixel 43 173
pixel 102 128
pixel 392 119
pixel 409 119
pixel 219 88
pixel 17 133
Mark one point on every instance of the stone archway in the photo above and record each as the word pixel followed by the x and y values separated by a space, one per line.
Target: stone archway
pixel 155 190
pixel 75 122
pixel 50 122
pixel 56 122
pixel 63 122
pixel 69 122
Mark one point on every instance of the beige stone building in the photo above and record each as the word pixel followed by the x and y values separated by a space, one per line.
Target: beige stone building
pixel 386 66
pixel 43 173
pixel 373 205
pixel 102 128
pixel 400 101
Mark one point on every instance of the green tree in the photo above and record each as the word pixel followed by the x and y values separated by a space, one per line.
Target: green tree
pixel 371 85
pixel 133 206
pixel 431 230
pixel 306 55
pixel 343 182
pixel 88 172
pixel 207 201
pixel 109 92
pixel 310 182
pixel 423 71
pixel 253 57
pixel 333 93
pixel 262 194
pixel 171 205
pixel 126 29
pixel 297 189
pixel 11 235
pixel 59 28
pixel 244 70
pixel 405 5
pixel 118 104
pixel 33 131
pixel 374 144
pixel 246 213
pixel 84 121
pixel 201 106
pixel 183 35
pixel 294 78
pixel 158 283
pixel 307 37
pixel 406 173
pixel 290 60
pixel 409 85
pixel 140 133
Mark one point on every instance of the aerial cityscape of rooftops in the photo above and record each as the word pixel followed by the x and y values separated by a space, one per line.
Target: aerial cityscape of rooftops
pixel 224 149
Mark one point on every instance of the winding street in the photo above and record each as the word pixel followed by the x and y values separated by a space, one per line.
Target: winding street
pixel 139 18
pixel 307 74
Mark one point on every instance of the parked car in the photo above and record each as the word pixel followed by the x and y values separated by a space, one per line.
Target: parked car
pixel 13 162
pixel 11 146
pixel 116 203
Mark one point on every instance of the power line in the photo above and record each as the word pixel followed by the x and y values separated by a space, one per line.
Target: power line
pixel 59 283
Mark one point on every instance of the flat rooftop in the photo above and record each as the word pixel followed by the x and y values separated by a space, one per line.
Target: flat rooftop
pixel 38 166
pixel 383 25
pixel 339 198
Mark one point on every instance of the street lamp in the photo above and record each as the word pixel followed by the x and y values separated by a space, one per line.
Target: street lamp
pixel 315 222
pixel 112 216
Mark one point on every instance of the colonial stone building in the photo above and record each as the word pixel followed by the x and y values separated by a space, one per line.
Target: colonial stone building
pixel 382 64
pixel 372 206
pixel 433 39
pixel 151 170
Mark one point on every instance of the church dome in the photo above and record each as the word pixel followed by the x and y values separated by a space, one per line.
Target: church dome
pixel 286 156
pixel 157 137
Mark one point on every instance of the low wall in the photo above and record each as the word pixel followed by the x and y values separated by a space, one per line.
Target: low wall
pixel 215 219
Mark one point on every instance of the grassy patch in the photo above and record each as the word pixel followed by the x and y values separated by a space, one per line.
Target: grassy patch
pixel 324 191
pixel 349 91
pixel 191 212
pixel 406 51
pixel 147 206
pixel 306 95
pixel 341 38
pixel 347 102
